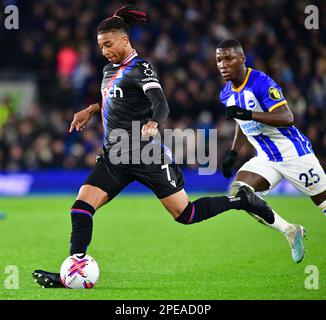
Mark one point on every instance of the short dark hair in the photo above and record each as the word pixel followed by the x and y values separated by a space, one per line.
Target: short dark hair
pixel 229 43
pixel 122 20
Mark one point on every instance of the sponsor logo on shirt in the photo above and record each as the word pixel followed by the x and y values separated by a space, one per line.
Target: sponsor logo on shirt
pixel 113 92
pixel 149 79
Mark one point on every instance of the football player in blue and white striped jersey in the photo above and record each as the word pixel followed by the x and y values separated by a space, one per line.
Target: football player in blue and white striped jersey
pixel 264 118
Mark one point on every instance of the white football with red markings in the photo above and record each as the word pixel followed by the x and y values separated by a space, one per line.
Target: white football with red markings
pixel 79 272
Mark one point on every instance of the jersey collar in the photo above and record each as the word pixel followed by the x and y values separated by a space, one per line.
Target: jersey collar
pixel 243 83
pixel 128 59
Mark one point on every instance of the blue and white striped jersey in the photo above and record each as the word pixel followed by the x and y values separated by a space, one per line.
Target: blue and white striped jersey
pixel 260 93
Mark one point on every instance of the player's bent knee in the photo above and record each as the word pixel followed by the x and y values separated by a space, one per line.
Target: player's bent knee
pixel 235 186
pixel 186 217
pixel 95 196
pixel 176 203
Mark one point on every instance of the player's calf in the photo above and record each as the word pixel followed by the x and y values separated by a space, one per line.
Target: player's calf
pixel 208 207
pixel 205 208
pixel 82 226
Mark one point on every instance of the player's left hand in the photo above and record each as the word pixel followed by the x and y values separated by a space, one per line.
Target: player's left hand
pixel 149 129
pixel 237 113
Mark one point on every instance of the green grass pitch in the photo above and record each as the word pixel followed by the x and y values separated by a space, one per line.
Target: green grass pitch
pixel 144 254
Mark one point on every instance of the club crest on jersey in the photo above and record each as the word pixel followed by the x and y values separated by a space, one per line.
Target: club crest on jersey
pixel 148 71
pixel 274 93
pixel 251 104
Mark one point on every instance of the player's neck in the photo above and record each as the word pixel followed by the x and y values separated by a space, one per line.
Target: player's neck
pixel 241 77
pixel 128 53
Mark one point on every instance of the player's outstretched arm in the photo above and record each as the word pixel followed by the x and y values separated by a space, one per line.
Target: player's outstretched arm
pixel 82 117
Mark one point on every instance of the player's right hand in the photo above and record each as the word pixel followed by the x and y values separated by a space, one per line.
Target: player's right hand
pixel 149 129
pixel 228 163
pixel 234 112
pixel 81 118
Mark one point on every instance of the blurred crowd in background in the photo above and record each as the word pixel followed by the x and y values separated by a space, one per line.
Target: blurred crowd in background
pixel 57 45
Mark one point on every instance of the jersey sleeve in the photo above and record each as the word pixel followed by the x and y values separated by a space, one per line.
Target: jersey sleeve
pixel 269 94
pixel 225 94
pixel 222 97
pixel 146 77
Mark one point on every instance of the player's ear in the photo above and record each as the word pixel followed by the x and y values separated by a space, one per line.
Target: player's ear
pixel 125 40
pixel 243 59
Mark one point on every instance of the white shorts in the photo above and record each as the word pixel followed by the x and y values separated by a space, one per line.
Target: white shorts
pixel 305 173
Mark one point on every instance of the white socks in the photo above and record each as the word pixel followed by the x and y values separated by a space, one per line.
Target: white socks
pixel 280 224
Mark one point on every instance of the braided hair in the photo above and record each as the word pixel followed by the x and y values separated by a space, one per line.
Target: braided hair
pixel 122 20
